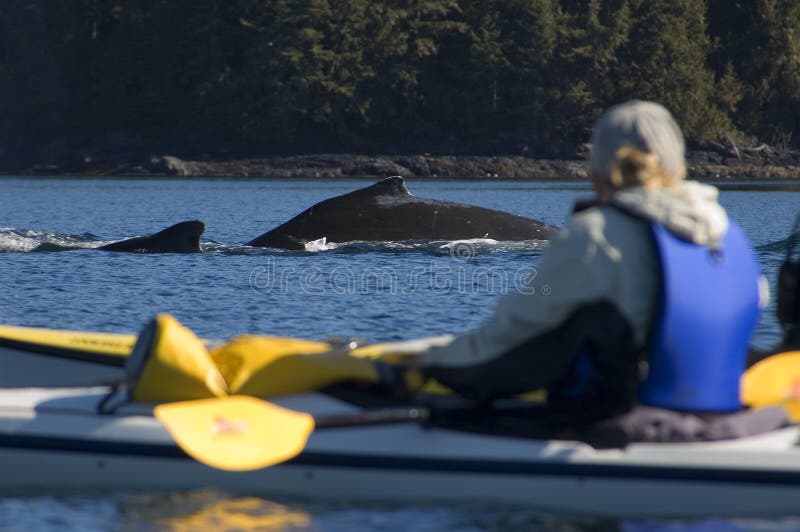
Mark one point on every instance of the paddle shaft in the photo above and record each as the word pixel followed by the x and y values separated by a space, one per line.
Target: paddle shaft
pixel 374 417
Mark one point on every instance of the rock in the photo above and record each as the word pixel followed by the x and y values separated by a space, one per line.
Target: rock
pixel 760 162
pixel 169 165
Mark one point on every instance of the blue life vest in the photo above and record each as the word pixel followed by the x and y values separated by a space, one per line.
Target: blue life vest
pixel 709 308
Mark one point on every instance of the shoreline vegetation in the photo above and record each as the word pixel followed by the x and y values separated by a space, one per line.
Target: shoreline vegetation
pixel 720 164
pixel 317 88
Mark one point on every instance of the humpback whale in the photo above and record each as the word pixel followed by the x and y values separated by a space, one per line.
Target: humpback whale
pixel 183 237
pixel 387 211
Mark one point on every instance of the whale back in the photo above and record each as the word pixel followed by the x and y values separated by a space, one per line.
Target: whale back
pixel 183 237
pixel 387 211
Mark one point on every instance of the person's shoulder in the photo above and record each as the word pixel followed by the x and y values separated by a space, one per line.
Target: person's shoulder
pixel 586 226
pixel 589 218
pixel 606 223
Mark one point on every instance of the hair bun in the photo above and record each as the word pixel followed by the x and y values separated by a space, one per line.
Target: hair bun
pixel 632 167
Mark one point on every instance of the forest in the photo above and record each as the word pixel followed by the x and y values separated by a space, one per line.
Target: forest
pixel 223 78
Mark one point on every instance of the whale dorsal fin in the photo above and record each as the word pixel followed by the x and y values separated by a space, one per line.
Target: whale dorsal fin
pixel 390 186
pixel 182 232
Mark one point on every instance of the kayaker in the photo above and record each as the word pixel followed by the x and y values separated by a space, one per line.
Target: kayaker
pixel 650 293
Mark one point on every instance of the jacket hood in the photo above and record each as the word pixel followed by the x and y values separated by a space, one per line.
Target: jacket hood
pixel 689 210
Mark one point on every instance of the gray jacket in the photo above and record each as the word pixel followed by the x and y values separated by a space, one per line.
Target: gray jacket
pixel 602 255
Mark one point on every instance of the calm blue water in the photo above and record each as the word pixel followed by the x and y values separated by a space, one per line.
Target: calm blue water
pixel 378 292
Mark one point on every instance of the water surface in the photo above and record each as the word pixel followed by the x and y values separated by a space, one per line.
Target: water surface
pixel 377 292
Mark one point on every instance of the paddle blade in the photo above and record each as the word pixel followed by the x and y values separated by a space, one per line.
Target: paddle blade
pixel 774 381
pixel 236 433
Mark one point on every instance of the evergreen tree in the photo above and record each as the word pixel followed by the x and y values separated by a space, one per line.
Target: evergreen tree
pixel 589 68
pixel 665 60
pixel 411 91
pixel 210 53
pixel 258 92
pixel 772 100
pixel 36 55
pixel 512 46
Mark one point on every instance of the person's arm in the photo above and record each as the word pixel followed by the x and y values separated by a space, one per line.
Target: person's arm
pixel 577 268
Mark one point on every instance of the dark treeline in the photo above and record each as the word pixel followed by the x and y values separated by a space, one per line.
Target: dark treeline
pixel 249 77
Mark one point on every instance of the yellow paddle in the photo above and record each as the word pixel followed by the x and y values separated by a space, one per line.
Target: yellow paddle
pixel 236 433
pixel 242 433
pixel 774 381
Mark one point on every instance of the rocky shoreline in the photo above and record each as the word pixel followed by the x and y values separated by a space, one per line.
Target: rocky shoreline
pixel 755 164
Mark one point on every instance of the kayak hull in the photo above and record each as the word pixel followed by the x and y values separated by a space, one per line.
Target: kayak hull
pixel 23 368
pixel 54 439
pixel 559 495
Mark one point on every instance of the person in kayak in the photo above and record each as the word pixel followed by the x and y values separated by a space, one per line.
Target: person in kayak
pixel 649 294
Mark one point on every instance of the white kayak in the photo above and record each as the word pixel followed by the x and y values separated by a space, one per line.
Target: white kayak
pixel 55 438
pixel 48 357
